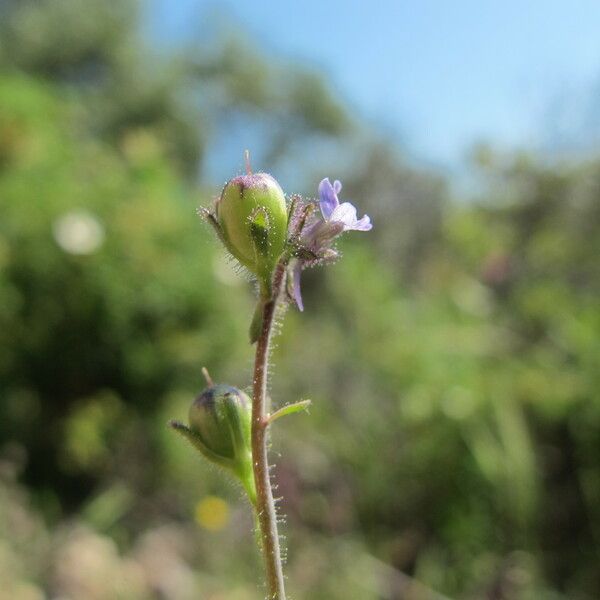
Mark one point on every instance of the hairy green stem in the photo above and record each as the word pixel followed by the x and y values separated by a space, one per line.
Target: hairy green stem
pixel 265 505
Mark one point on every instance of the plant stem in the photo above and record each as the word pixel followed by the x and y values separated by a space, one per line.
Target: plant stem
pixel 265 505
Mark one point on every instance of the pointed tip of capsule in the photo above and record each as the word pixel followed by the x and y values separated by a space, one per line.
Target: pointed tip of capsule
pixel 207 377
pixel 247 162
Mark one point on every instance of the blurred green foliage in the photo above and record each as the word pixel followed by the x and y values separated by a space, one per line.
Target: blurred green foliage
pixel 452 356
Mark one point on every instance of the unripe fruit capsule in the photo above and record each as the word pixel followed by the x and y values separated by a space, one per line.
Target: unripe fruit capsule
pixel 252 214
pixel 221 417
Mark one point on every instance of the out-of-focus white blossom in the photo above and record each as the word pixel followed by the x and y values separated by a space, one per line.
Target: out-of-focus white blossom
pixel 78 232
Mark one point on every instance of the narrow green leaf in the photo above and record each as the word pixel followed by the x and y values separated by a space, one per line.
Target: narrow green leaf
pixel 289 409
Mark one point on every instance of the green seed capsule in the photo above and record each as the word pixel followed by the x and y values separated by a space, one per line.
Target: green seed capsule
pixel 221 416
pixel 220 421
pixel 252 214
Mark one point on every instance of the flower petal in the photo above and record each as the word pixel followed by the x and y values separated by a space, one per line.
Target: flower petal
pixel 328 198
pixel 337 186
pixel 363 224
pixel 296 285
pixel 345 213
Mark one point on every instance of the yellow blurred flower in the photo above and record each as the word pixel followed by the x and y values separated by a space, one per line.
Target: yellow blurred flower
pixel 212 513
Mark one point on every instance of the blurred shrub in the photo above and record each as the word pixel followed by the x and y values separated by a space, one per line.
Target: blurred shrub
pixel 109 294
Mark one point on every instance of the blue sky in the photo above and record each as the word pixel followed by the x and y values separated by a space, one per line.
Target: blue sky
pixel 438 74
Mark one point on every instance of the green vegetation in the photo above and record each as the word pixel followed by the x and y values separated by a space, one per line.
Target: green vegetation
pixel 452 357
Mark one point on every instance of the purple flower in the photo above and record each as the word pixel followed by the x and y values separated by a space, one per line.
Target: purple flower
pixel 318 236
pixel 334 212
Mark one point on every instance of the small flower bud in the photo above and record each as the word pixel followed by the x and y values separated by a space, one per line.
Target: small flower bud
pixel 220 421
pixel 252 214
pixel 221 416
